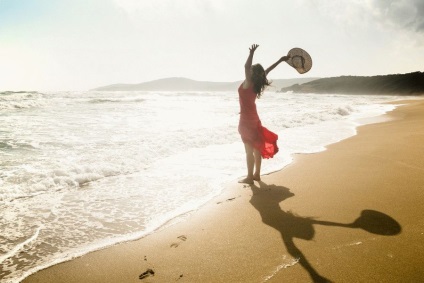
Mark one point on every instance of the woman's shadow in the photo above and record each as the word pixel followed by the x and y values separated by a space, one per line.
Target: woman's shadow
pixel 266 199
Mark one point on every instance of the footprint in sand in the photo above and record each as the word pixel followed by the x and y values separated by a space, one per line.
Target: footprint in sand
pixel 182 238
pixel 147 273
pixel 230 199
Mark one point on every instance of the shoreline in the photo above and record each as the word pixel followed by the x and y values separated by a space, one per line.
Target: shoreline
pixel 229 200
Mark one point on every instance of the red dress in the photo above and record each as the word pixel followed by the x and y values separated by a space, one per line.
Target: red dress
pixel 250 126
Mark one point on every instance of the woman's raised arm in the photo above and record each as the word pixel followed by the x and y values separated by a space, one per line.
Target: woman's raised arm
pixel 248 64
pixel 270 68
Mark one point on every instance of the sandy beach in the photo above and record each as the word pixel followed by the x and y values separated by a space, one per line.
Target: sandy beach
pixel 352 213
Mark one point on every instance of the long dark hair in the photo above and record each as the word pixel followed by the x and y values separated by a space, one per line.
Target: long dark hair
pixel 260 82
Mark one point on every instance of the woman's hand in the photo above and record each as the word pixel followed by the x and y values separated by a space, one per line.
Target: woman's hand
pixel 284 58
pixel 253 48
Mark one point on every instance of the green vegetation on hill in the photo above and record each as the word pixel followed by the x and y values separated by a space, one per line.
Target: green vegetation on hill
pixel 184 84
pixel 402 84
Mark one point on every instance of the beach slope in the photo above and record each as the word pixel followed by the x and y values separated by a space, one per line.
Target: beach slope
pixel 352 213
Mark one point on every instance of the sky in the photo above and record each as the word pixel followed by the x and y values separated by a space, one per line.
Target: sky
pixel 84 44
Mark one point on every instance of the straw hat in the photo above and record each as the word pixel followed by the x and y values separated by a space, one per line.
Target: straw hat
pixel 300 60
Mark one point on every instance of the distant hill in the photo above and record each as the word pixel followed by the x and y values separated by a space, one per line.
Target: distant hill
pixel 184 84
pixel 403 84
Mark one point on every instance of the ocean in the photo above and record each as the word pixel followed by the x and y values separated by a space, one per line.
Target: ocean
pixel 84 170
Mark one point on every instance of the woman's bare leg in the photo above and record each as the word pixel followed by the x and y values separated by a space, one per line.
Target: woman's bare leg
pixel 250 162
pixel 258 162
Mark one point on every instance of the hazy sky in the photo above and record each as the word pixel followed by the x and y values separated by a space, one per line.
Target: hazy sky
pixel 82 44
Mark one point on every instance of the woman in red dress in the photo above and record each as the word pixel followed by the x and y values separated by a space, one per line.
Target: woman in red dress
pixel 258 141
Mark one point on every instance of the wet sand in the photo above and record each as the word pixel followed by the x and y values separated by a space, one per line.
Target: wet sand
pixel 352 213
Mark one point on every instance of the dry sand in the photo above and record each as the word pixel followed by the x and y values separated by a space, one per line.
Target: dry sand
pixel 300 224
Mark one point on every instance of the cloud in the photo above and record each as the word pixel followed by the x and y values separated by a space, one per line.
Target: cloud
pixel 159 10
pixel 403 14
pixel 400 15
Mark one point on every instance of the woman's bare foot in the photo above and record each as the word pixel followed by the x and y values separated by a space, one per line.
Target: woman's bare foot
pixel 257 178
pixel 247 180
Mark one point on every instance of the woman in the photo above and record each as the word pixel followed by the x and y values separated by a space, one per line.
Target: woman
pixel 258 141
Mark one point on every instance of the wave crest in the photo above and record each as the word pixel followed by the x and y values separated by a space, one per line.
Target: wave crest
pixel 10 100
